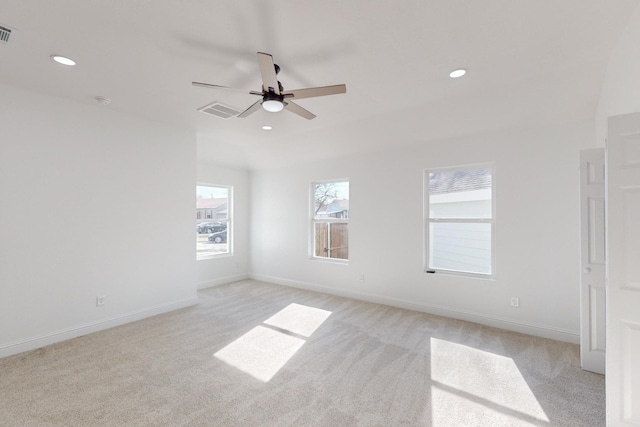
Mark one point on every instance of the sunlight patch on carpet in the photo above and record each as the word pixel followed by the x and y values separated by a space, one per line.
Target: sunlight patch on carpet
pixel 486 383
pixel 264 350
pixel 299 319
pixel 261 352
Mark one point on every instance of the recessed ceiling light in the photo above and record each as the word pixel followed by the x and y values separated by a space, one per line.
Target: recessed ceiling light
pixel 457 73
pixel 266 127
pixel 63 60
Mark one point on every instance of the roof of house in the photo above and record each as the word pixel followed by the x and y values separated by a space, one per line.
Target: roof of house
pixel 459 180
pixel 338 205
pixel 202 203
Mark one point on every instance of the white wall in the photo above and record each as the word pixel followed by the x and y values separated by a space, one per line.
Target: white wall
pixel 537 231
pixel 621 90
pixel 93 203
pixel 225 269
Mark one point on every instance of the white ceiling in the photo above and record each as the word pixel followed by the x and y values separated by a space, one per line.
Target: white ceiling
pixel 534 61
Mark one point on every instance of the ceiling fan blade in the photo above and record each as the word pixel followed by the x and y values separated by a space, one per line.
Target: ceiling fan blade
pixel 268 72
pixel 210 86
pixel 315 91
pixel 254 107
pixel 295 108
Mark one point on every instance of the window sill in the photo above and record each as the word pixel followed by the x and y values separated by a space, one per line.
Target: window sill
pixel 330 260
pixel 461 274
pixel 217 256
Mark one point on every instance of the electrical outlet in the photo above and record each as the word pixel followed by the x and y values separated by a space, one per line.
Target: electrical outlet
pixel 100 300
pixel 515 302
pixel 362 277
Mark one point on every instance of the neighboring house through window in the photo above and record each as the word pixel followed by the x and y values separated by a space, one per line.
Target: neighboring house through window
pixel 213 221
pixel 330 220
pixel 460 223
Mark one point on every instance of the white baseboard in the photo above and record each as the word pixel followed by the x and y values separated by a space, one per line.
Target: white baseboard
pixel 73 332
pixel 222 281
pixel 483 319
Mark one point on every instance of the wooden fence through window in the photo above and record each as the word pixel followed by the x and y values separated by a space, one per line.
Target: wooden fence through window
pixel 332 240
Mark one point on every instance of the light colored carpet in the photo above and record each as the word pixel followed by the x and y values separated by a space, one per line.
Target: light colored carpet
pixel 256 354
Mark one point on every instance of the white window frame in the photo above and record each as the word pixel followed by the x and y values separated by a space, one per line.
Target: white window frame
pixel 229 221
pixel 428 220
pixel 314 221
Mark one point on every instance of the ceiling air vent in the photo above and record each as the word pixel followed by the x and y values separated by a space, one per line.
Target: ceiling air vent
pixel 220 110
pixel 5 34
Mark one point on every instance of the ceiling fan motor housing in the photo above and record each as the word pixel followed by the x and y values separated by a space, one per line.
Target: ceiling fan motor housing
pixel 272 96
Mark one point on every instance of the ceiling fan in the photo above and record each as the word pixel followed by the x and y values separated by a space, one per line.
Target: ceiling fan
pixel 274 97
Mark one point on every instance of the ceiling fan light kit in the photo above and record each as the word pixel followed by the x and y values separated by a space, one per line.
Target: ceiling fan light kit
pixel 273 93
pixel 272 105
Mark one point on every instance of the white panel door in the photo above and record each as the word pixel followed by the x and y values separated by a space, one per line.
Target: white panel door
pixel 623 271
pixel 593 260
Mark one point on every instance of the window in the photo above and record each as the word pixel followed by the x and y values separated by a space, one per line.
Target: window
pixel 214 211
pixel 330 220
pixel 459 226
